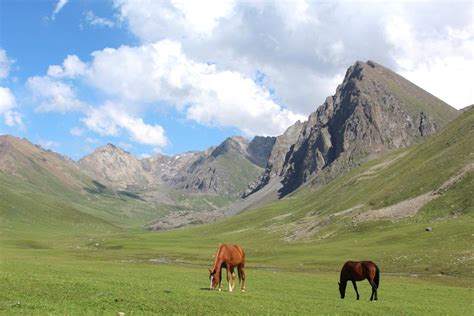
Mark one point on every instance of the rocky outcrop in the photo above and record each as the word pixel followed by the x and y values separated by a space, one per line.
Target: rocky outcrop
pixel 276 159
pixel 115 167
pixel 372 111
pixel 260 149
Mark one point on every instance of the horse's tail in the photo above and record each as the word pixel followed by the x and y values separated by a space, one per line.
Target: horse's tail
pixel 377 276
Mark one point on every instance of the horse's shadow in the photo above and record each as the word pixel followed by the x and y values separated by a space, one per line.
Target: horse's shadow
pixel 205 289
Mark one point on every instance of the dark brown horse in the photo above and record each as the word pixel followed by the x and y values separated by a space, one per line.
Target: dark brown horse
pixel 358 271
pixel 228 257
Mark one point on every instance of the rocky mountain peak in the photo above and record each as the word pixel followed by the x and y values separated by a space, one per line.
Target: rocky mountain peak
pixel 114 166
pixel 373 110
pixel 234 144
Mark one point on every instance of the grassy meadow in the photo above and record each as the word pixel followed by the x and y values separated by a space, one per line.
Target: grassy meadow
pixel 60 256
pixel 70 281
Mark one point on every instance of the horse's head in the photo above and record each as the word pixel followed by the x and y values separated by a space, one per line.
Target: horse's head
pixel 342 289
pixel 213 279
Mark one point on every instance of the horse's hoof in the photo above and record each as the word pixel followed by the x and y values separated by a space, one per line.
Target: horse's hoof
pixel 243 291
pixel 220 290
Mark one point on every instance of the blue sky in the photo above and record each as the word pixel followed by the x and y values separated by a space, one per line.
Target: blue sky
pixel 172 76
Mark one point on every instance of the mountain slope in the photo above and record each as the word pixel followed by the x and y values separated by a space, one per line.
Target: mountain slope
pixel 40 187
pixel 373 110
pixel 324 225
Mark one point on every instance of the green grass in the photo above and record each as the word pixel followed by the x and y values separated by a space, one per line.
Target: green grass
pixel 36 282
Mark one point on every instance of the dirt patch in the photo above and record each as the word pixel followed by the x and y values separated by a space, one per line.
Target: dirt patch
pixel 403 209
pixel 409 208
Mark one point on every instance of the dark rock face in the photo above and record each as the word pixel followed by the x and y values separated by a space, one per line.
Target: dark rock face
pixel 276 159
pixel 373 110
pixel 260 149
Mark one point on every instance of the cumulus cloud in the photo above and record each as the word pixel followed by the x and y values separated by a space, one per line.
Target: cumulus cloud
pixel 14 119
pixel 54 95
pixel 7 100
pixel 208 95
pixel 442 64
pixel 5 64
pixel 11 117
pixel 95 20
pixel 178 16
pixel 109 120
pixel 307 44
pixel 72 67
pixel 59 6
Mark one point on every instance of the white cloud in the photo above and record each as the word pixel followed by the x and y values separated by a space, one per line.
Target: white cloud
pixel 72 67
pixel 14 119
pixel 109 120
pixel 54 95
pixel 301 44
pixel 59 6
pixel 197 17
pixel 7 104
pixel 203 16
pixel 5 64
pixel 7 100
pixel 441 62
pixel 94 20
pixel 162 72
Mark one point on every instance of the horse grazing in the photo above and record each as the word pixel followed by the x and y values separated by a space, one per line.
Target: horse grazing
pixel 358 271
pixel 229 257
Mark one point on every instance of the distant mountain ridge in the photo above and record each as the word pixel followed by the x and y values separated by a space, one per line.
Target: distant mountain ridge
pixel 225 169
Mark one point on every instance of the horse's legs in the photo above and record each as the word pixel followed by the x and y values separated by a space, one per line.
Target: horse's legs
pixel 374 289
pixel 233 278
pixel 228 277
pixel 355 288
pixel 220 279
pixel 242 274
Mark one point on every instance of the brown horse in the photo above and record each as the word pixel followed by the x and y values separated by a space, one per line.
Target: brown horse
pixel 358 271
pixel 229 257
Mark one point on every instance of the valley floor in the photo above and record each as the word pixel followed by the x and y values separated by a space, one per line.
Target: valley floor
pixel 137 274
pixel 38 283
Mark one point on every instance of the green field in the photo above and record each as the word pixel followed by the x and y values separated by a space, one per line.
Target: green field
pixel 60 256
pixel 60 281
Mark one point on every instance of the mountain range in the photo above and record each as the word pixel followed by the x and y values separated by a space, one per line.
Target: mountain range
pixel 373 112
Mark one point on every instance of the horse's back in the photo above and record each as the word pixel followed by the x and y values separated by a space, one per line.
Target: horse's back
pixel 233 254
pixel 239 254
pixel 359 270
